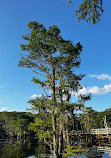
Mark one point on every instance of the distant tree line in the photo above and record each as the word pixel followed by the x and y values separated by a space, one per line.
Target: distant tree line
pixel 22 124
pixel 91 119
pixel 15 124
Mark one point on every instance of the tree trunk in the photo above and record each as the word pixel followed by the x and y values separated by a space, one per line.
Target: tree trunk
pixel 60 137
pixel 60 119
pixel 67 132
pixel 55 143
pixel 72 112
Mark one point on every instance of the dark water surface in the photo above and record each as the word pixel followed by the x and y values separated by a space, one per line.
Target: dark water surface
pixel 30 148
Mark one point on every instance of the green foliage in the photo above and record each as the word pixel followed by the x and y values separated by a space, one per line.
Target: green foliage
pixel 90 10
pixel 42 125
pixel 74 150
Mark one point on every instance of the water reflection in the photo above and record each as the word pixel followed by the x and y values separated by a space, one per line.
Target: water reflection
pixel 101 151
pixel 31 149
pixel 17 149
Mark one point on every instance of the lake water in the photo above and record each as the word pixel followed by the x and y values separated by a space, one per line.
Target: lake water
pixel 31 149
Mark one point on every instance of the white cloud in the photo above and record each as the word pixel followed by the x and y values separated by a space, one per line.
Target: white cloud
pixel 102 76
pixel 81 91
pixel 11 111
pixel 4 108
pixel 97 90
pixel 35 95
pixel 94 90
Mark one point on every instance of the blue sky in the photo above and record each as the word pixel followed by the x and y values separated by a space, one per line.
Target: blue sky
pixel 15 85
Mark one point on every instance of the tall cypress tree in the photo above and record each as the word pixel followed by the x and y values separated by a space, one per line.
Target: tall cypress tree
pixel 47 54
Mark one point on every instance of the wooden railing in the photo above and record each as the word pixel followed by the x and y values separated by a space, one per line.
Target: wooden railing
pixel 101 131
pixel 104 131
pixel 104 148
